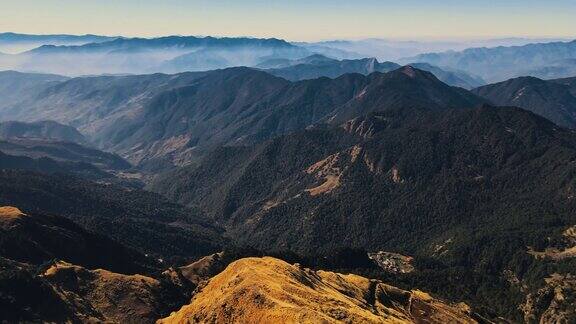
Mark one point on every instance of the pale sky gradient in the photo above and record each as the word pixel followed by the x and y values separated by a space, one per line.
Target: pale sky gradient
pixel 294 19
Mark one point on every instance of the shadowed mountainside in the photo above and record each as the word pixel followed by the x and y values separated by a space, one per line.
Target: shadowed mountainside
pixel 45 130
pixel 138 219
pixel 14 86
pixel 570 82
pixel 553 99
pixel 21 161
pixel 39 238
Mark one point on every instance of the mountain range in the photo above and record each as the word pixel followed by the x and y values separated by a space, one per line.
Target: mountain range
pixel 498 60
pixel 160 120
pixel 396 49
pixel 16 43
pixel 40 238
pixel 304 188
pixel 317 66
pixel 149 55
pixel 107 282
pixel 552 60
pixel 48 146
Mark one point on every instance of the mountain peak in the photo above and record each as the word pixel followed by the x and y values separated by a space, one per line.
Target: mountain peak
pixel 414 73
pixel 526 79
pixel 408 70
pixel 316 56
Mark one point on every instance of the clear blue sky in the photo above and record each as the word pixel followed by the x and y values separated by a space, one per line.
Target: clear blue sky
pixel 294 19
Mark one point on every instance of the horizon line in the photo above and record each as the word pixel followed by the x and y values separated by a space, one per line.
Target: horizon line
pixel 318 40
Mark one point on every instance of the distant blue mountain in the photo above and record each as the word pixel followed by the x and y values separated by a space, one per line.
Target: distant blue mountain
pixel 18 43
pixel 57 38
pixel 500 63
pixel 149 55
pixel 168 42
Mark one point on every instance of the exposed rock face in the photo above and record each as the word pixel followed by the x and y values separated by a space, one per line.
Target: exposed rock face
pixel 328 172
pixel 268 290
pixel 392 262
pixel 365 126
pixel 554 303
pixel 564 248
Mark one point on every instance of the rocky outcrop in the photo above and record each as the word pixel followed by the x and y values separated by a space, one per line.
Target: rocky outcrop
pixel 553 303
pixel 392 262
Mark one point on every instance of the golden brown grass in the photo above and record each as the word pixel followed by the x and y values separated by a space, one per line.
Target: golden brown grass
pixel 268 290
pixel 103 295
pixel 8 212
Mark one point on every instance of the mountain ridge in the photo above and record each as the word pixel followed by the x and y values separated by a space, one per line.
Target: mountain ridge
pixel 550 99
pixel 271 290
pixel 151 55
pixel 500 63
pixel 44 129
pixel 160 119
pixel 317 65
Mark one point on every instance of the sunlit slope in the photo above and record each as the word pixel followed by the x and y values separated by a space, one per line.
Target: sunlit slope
pixel 268 290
